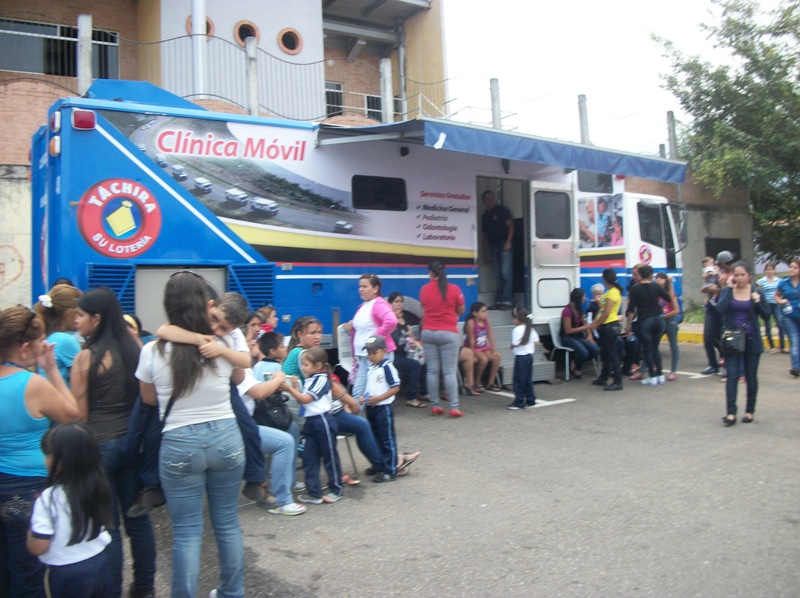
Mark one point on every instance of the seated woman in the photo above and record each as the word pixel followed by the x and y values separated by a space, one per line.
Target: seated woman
pixel 411 371
pixel 574 334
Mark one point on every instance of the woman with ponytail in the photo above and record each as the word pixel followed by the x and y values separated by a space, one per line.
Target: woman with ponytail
pixel 442 303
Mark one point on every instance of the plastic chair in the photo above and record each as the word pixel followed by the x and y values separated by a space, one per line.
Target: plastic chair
pixel 555 334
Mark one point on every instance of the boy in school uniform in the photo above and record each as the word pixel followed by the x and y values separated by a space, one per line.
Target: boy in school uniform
pixel 383 384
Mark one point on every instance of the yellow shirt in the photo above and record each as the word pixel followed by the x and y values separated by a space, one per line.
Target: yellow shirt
pixel 613 295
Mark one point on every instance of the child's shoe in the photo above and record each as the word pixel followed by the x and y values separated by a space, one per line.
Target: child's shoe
pixel 331 498
pixel 290 509
pixel 309 500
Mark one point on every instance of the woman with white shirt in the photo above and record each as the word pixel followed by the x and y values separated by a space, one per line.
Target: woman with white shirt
pixel 202 451
pixel 374 316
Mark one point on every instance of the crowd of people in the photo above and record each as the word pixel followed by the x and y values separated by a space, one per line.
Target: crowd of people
pixel 191 414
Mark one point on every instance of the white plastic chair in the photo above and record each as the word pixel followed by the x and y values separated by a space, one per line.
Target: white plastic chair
pixel 555 334
pixel 345 348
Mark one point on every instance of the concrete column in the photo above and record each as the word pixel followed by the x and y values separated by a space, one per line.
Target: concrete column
pixel 84 53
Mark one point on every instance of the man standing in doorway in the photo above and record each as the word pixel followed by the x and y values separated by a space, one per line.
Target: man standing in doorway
pixel 498 232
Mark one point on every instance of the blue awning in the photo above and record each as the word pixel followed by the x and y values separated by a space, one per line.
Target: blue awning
pixel 482 141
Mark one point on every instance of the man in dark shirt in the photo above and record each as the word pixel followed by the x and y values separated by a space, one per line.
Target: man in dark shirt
pixel 498 232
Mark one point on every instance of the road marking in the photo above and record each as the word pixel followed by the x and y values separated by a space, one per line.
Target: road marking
pixel 541 403
pixel 695 376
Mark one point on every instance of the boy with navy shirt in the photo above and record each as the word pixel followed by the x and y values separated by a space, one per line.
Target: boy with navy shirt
pixel 383 384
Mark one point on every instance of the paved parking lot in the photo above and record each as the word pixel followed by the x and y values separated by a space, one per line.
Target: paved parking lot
pixel 634 493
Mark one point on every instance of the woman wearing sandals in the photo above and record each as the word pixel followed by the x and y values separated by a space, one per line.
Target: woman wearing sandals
pixel 740 305
pixel 411 371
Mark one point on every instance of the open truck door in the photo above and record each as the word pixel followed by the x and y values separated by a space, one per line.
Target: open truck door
pixel 553 248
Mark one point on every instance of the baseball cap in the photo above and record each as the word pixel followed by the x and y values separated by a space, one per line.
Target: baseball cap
pixel 709 270
pixel 374 343
pixel 724 257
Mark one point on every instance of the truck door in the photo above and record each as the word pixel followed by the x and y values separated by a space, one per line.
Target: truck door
pixel 553 248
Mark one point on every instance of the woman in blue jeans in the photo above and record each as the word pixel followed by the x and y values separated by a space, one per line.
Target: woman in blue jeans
pixel 788 297
pixel 574 332
pixel 740 305
pixel 672 317
pixel 202 452
pixel 103 382
pixel 643 301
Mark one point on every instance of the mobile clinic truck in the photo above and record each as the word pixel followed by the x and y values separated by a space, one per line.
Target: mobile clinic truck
pixel 339 202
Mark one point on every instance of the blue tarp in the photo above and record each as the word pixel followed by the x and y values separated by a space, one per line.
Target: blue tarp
pixel 481 141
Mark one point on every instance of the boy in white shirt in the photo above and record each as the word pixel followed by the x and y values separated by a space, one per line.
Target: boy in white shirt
pixel 383 384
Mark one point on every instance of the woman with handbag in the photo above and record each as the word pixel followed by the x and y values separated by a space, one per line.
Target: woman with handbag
pixel 740 305
pixel 408 356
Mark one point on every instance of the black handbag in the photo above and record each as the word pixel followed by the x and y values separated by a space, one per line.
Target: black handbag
pixel 732 341
pixel 273 412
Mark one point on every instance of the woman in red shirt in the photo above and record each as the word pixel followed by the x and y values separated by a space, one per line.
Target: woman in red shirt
pixel 442 303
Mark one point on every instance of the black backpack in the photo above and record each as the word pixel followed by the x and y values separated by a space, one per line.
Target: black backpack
pixel 273 412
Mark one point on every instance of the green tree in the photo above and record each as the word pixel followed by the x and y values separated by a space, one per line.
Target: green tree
pixel 745 116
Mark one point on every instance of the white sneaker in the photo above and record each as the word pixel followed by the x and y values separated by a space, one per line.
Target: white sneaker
pixel 213 593
pixel 662 380
pixel 291 508
pixel 652 381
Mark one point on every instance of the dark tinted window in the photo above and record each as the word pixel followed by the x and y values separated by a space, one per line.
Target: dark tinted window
pixel 595 182
pixel 553 215
pixel 379 193
pixel 650 224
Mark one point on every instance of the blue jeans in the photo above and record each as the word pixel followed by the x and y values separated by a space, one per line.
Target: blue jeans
pixel 523 381
pixel 360 383
pixel 123 478
pixel 792 326
pixel 21 573
pixel 281 446
pixel 441 354
pixel 776 313
pixel 502 266
pixel 651 330
pixel 745 365
pixel 349 423
pixel 584 350
pixel 712 326
pixel 413 375
pixel 671 328
pixel 198 459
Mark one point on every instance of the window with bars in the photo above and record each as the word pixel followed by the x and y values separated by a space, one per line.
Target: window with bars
pixel 49 49
pixel 334 98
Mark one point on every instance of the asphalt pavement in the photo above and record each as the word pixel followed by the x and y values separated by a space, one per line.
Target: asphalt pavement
pixel 635 493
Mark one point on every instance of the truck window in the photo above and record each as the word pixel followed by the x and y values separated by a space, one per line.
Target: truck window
pixel 595 182
pixel 650 224
pixel 379 193
pixel 553 215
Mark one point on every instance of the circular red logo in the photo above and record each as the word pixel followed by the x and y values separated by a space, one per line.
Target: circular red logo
pixel 645 254
pixel 119 218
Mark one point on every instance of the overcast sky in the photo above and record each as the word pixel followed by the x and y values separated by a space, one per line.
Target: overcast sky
pixel 547 53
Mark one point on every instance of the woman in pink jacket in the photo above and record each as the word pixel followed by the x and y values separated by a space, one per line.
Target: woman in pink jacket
pixel 373 317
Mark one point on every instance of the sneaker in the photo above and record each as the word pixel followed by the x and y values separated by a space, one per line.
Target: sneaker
pixel 456 413
pixel 652 381
pixel 636 376
pixel 380 478
pixel 532 404
pixel 437 411
pixel 213 594
pixel 299 487
pixel 662 380
pixel 709 371
pixel 260 494
pixel 514 407
pixel 613 387
pixel 290 509
pixel 370 471
pixel 793 372
pixel 598 382
pixel 309 500
pixel 672 377
pixel 331 498
pixel 147 499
